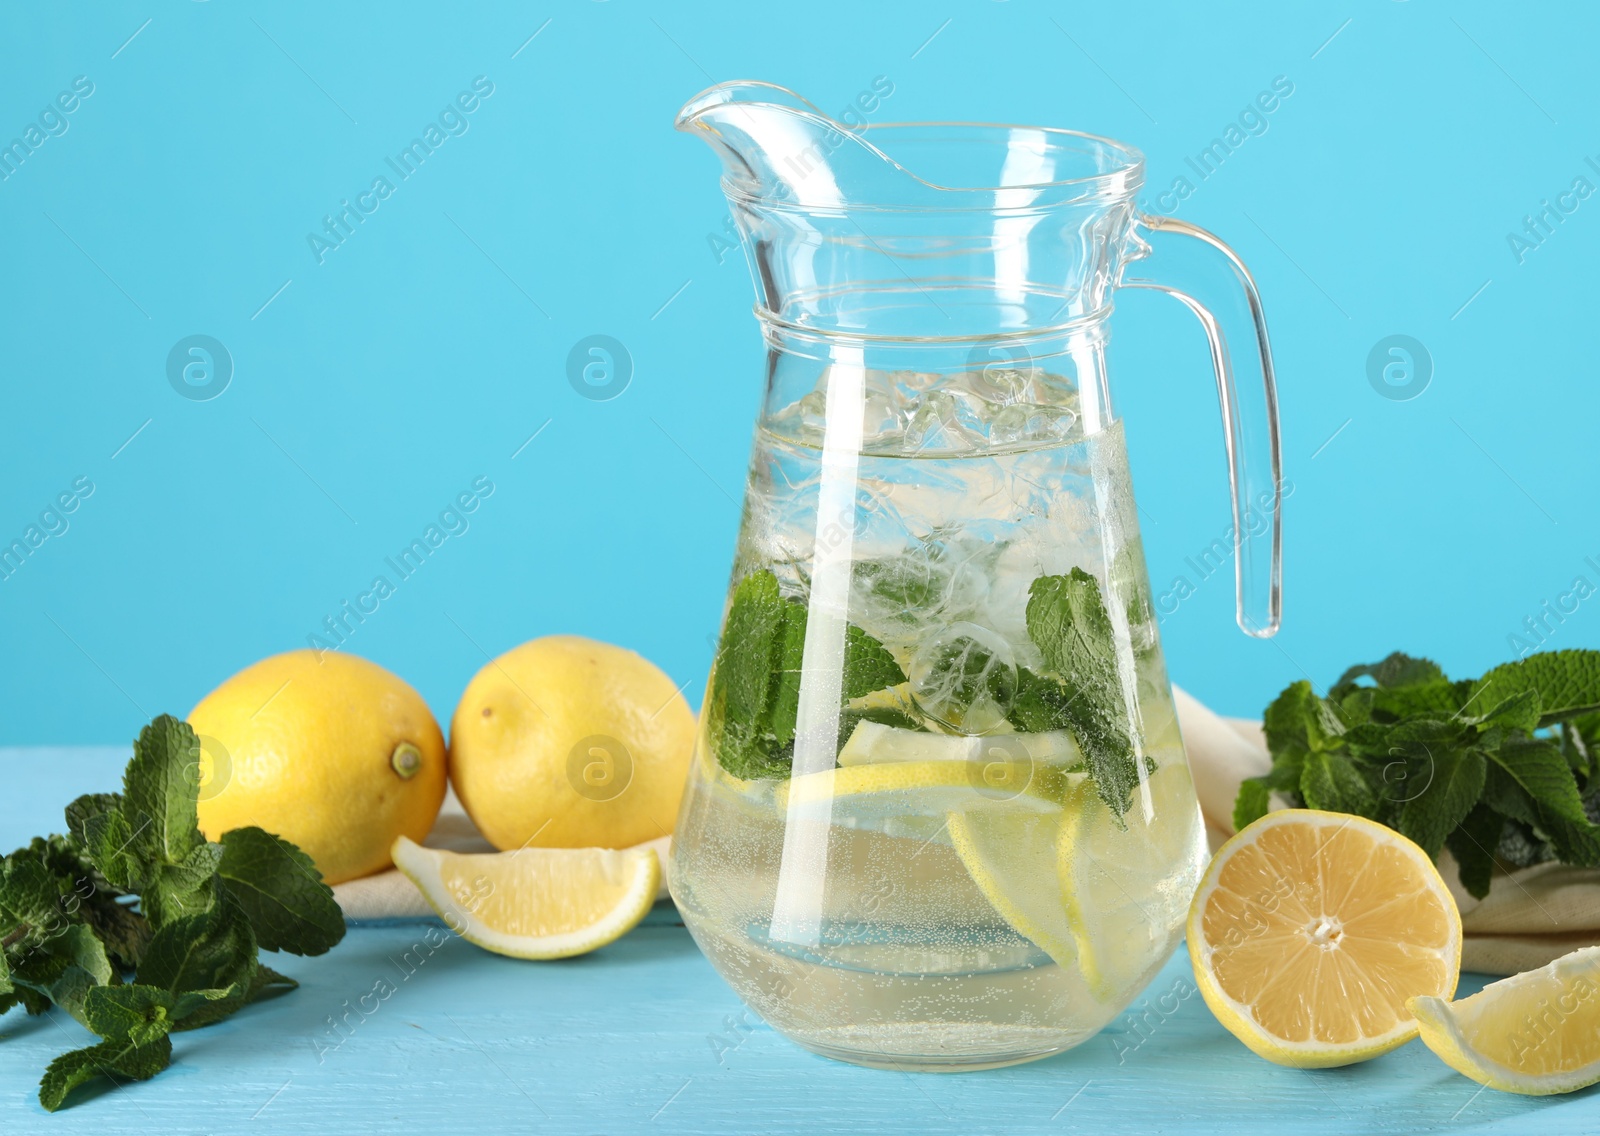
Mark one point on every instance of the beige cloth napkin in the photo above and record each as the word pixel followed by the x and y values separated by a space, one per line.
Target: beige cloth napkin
pixel 1529 917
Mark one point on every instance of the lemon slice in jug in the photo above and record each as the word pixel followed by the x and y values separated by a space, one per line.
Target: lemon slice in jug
pixel 1125 888
pixel 1011 856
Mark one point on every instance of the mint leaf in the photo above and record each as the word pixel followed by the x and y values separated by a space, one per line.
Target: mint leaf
pixel 783 693
pixel 268 983
pixel 755 693
pixel 1567 682
pixel 109 839
pixel 1541 770
pixel 83 967
pixel 1067 622
pixel 177 891
pixel 1504 795
pixel 160 787
pixel 1254 799
pixel 1298 722
pixel 28 912
pixel 214 951
pixel 1397 671
pixel 1519 712
pixel 868 665
pixel 1040 704
pixel 741 695
pixel 1473 844
pixel 136 1012
pixel 32 1001
pixel 281 893
pixel 1455 783
pixel 745 658
pixel 124 931
pixel 89 805
pixel 1575 844
pixel 1329 781
pixel 117 1060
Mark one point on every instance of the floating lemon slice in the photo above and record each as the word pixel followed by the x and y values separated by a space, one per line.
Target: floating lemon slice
pixel 1535 1033
pixel 535 903
pixel 1011 858
pixel 929 788
pixel 1311 930
pixel 873 743
pixel 1123 888
pixel 996 800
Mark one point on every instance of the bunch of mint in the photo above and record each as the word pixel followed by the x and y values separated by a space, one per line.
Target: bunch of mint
pixel 1503 768
pixel 755 691
pixel 137 926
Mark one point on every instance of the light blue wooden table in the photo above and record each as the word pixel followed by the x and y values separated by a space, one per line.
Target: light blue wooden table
pixel 643 1037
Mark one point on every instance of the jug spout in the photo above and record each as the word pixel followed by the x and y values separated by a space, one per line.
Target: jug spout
pixel 910 229
pixel 775 145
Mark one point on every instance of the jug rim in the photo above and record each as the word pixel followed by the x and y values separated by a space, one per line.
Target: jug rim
pixel 1133 157
pixel 1091 324
pixel 1122 179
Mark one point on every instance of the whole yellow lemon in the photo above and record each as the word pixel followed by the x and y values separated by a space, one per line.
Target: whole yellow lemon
pixel 328 751
pixel 564 742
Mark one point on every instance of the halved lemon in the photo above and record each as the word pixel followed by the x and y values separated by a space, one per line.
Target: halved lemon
pixel 1311 930
pixel 1124 887
pixel 1535 1033
pixel 535 903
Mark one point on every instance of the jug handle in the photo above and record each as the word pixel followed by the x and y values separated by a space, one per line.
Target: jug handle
pixel 1190 263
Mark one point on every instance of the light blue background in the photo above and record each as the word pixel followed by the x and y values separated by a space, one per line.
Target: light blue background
pixel 429 347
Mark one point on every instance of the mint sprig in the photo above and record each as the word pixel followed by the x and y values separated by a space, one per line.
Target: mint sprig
pixel 755 694
pixel 138 926
pixel 1068 622
pixel 1502 770
pixel 756 685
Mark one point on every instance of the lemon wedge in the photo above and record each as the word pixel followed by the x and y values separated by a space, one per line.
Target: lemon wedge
pixel 535 903
pixel 1535 1033
pixel 1120 884
pixel 1310 931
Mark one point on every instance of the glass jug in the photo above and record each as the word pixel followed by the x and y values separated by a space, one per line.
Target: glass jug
pixel 940 816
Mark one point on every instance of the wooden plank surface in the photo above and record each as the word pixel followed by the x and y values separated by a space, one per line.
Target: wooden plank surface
pixel 644 1037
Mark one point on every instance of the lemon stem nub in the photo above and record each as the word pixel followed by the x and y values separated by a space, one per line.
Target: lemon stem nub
pixel 406 760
